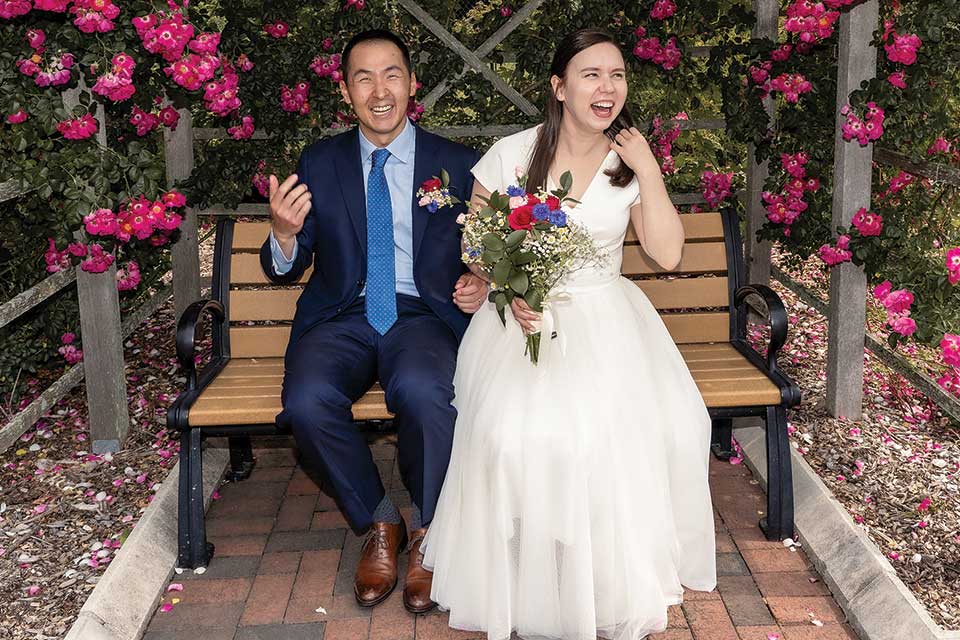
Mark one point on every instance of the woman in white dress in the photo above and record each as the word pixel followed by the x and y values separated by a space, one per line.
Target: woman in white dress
pixel 576 502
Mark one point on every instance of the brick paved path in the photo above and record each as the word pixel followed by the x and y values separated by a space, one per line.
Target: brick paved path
pixel 283 551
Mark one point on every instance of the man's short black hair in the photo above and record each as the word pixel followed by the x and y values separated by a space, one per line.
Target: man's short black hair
pixel 369 35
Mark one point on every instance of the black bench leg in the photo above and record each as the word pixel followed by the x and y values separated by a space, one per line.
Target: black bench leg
pixel 779 521
pixel 193 549
pixel 721 438
pixel 241 458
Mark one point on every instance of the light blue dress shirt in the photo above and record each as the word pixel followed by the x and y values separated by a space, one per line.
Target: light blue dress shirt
pixel 399 174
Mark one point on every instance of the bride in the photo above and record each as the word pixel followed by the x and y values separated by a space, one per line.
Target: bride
pixel 576 501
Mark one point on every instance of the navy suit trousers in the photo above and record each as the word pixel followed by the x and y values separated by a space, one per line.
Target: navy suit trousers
pixel 334 364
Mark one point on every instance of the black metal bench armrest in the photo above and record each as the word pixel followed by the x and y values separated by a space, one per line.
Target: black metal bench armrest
pixel 187 335
pixel 768 304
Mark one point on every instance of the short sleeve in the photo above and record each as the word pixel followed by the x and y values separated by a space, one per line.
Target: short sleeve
pixel 489 169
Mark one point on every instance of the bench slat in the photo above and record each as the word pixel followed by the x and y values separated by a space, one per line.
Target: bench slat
pixel 271 341
pixel 245 269
pixel 704 257
pixel 678 293
pixel 686 293
pixel 698 327
pixel 233 400
pixel 697 227
pixel 263 304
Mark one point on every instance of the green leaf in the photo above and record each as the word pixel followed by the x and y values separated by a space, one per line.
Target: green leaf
pixel 523 257
pixel 566 181
pixel 491 257
pixel 534 300
pixel 501 272
pixel 444 177
pixel 519 282
pixel 492 242
pixel 501 301
pixel 515 238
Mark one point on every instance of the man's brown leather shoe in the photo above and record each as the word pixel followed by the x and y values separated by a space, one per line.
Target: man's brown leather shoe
pixel 416 590
pixel 377 570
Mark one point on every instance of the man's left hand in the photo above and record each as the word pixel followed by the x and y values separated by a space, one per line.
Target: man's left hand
pixel 470 292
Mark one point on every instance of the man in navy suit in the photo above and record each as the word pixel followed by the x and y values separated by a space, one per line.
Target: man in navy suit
pixel 389 299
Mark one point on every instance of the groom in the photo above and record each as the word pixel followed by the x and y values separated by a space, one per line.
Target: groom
pixel 388 300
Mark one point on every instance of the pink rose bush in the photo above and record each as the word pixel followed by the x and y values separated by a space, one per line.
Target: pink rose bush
pixel 867 222
pixel 791 85
pixel 666 55
pixel 662 9
pixel 94 16
pixel 117 84
pixel 242 131
pixel 811 21
pixel 953 265
pixel 295 100
pixel 70 352
pixel 327 67
pixel 716 186
pixel 837 254
pixel 897 303
pixel 78 128
pixel 785 207
pixel 864 130
pixel 50 71
pixel 664 134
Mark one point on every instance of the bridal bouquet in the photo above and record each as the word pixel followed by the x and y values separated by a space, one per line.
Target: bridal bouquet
pixel 525 242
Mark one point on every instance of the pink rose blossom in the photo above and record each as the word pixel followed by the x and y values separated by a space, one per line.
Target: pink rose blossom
pixel 36 38
pixel 898 79
pixel 78 128
pixel 716 187
pixel 129 277
pixel 10 9
pixel 99 260
pixel 950 349
pixel 506 11
pixel 940 145
pixel 867 222
pixel 277 29
pixel 904 325
pixel 903 49
pixel 662 9
pixel 17 116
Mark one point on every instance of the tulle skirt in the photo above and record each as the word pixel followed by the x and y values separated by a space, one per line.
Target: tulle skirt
pixel 576 502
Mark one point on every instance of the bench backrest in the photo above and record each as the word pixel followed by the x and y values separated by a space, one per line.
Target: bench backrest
pixel 694 299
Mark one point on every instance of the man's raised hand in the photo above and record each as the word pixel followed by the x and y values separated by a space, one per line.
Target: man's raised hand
pixel 289 205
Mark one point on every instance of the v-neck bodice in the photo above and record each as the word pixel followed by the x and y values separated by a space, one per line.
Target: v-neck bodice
pixel 604 210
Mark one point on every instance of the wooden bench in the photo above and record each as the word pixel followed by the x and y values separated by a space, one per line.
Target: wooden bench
pixel 703 304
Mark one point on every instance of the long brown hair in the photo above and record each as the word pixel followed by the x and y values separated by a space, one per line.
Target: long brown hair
pixel 549 135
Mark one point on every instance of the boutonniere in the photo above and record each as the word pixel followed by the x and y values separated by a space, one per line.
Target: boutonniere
pixel 435 193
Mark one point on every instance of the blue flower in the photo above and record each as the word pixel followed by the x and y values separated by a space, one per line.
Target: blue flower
pixel 432 206
pixel 513 191
pixel 541 212
pixel 558 218
pixel 473 253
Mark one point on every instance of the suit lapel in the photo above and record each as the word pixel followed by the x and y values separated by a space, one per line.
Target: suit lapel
pixel 350 177
pixel 422 170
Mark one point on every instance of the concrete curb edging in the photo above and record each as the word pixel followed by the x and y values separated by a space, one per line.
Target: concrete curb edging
pixel 878 605
pixel 120 606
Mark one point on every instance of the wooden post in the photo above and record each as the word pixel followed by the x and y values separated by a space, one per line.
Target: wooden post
pixel 102 336
pixel 757 254
pixel 185 253
pixel 851 190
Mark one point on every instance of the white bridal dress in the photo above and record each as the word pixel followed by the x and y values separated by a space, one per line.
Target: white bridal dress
pixel 576 501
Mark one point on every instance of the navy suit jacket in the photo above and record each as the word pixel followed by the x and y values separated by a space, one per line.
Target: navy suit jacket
pixel 334 234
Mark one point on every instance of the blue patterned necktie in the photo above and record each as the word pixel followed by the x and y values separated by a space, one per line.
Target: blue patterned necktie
pixel 381 268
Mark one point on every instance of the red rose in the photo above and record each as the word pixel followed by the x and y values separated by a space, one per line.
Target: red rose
pixel 521 217
pixel 553 202
pixel 533 200
pixel 433 184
